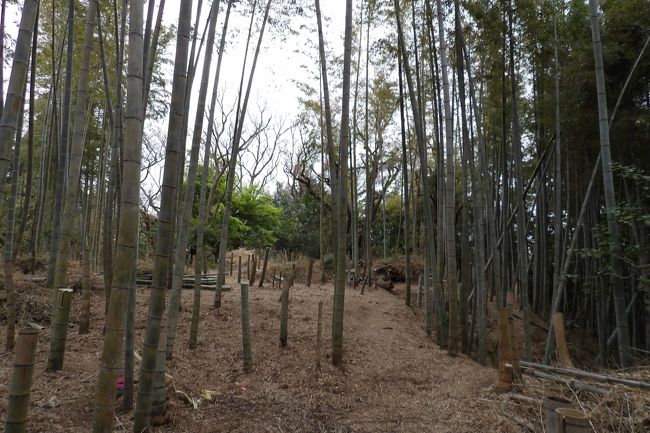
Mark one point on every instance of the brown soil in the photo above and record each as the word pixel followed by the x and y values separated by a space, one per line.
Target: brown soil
pixel 394 378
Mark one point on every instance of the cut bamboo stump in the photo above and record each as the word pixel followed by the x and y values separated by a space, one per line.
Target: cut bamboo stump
pixel 246 328
pixel 550 416
pixel 560 341
pixel 571 420
pixel 319 332
pixel 21 382
pixel 59 330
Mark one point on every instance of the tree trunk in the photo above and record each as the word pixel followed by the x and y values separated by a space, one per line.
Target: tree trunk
pixel 30 146
pixel 329 132
pixel 341 242
pixel 522 244
pixel 405 183
pixel 166 218
pixel 9 238
pixel 429 246
pixel 618 287
pixel 62 162
pixel 203 210
pixel 223 242
pixel 72 184
pixel 15 99
pixel 188 200
pixel 450 193
pixel 128 232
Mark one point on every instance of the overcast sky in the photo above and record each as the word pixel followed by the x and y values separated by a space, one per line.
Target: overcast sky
pixel 285 57
pixel 281 61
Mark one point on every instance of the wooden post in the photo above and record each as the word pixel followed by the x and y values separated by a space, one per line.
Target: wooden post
pixel 232 261
pixel 266 261
pixel 21 381
pixel 245 328
pixel 550 416
pixel 284 309
pixel 253 270
pixel 571 420
pixel 418 301
pixel 273 279
pixel 248 267
pixel 239 270
pixel 319 331
pixel 59 330
pixel 309 271
pixel 84 321
pixel 504 383
pixel 560 341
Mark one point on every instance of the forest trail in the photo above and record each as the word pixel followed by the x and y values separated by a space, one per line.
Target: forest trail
pixel 394 379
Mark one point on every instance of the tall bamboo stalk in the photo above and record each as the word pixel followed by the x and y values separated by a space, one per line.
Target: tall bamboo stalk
pixel 341 241
pixel 72 183
pixel 166 218
pixel 127 236
pixel 618 287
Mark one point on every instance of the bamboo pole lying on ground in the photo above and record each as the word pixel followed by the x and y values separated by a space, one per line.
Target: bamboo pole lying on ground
pixel 571 383
pixel 587 374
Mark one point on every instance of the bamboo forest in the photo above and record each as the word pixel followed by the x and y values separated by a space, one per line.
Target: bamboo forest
pixel 325 216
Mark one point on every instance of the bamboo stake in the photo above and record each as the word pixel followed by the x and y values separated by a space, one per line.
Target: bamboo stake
pixel 319 333
pixel 284 309
pixel 266 261
pixel 253 270
pixel 239 270
pixel 311 269
pixel 245 328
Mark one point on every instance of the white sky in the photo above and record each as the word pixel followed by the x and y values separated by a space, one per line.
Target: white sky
pixel 280 60
pixel 283 59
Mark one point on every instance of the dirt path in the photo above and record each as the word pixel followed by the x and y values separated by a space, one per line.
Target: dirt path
pixel 394 378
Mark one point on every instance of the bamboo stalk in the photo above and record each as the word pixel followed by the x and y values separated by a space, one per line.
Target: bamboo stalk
pixel 21 382
pixel 59 329
pixel 560 341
